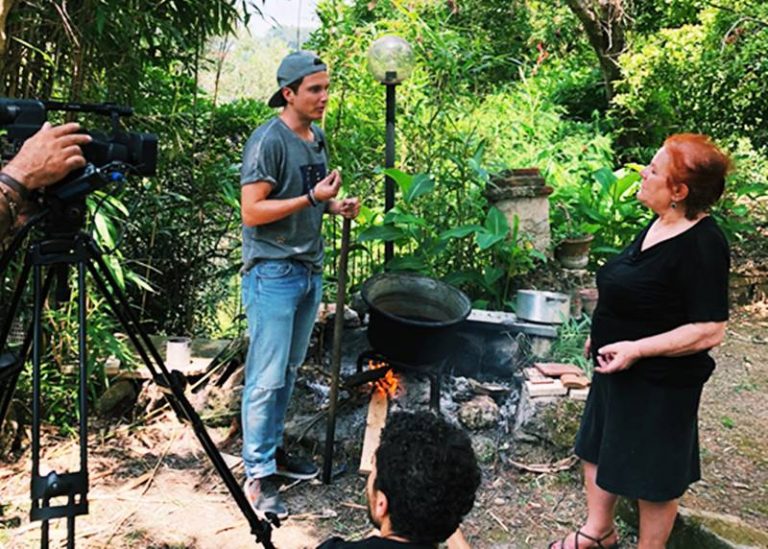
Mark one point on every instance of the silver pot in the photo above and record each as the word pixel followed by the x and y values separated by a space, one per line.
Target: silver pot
pixel 544 307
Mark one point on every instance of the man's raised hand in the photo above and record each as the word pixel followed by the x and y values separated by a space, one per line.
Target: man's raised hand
pixel 329 187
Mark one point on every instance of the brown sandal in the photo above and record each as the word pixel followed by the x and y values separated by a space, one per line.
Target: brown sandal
pixel 599 541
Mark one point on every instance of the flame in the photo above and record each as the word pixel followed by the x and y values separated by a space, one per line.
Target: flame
pixel 389 383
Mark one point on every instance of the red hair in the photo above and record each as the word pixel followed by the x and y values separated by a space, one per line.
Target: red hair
pixel 701 166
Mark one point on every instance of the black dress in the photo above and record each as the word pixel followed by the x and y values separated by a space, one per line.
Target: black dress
pixel 640 425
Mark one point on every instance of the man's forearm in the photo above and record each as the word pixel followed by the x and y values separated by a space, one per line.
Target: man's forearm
pixel 271 210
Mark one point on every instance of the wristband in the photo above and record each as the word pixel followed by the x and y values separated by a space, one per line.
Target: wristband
pixel 13 207
pixel 311 196
pixel 14 184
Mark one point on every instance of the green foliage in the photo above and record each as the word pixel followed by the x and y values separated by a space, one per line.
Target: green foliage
pixel 242 65
pixel 101 51
pixel 187 236
pixel 604 206
pixel 132 52
pixel 656 15
pixel 452 130
pixel 721 59
pixel 569 345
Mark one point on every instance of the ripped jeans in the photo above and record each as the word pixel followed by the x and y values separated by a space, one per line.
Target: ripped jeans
pixel 281 297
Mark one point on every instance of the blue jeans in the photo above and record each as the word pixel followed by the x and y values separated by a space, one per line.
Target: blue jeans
pixel 281 298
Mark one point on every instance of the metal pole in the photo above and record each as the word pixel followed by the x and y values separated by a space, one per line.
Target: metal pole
pixel 338 329
pixel 389 162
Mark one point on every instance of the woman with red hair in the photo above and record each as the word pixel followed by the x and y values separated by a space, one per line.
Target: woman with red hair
pixel 663 303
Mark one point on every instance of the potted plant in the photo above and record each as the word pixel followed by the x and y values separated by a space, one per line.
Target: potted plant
pixel 573 236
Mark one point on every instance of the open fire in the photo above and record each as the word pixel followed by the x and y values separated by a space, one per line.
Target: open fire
pixel 389 383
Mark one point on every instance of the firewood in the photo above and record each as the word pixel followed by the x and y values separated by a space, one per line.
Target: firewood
pixel 377 417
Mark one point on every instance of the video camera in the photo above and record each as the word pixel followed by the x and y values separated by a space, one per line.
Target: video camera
pixel 109 156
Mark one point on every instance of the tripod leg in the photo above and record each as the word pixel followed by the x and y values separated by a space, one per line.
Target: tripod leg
pixel 8 386
pixel 111 291
pixel 83 363
pixel 14 305
pixel 71 526
pixel 36 355
pixel 44 529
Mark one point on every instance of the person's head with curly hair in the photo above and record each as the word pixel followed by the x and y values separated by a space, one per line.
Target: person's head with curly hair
pixel 424 478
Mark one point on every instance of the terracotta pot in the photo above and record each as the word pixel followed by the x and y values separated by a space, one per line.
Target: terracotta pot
pixel 573 253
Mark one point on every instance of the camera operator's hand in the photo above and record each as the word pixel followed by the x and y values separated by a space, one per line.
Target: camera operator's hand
pixel 48 156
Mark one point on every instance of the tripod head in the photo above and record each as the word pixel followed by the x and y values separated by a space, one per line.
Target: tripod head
pixel 110 156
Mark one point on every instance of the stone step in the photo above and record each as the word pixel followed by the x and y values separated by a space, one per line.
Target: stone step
pixel 702 529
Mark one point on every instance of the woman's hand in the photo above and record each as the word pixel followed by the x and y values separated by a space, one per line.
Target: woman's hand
pixel 681 341
pixel 618 356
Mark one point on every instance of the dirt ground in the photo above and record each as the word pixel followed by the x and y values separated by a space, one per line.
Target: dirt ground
pixel 152 486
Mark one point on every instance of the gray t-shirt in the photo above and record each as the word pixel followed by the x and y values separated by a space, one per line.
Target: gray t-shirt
pixel 276 154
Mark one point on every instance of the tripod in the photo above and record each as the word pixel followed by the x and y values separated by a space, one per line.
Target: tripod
pixel 57 254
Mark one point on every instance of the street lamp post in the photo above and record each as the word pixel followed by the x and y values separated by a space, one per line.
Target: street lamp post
pixel 390 61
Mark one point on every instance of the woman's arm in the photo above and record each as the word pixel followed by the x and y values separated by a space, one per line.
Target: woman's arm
pixel 684 340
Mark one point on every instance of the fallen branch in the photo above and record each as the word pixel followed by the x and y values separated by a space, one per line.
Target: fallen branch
pixel 501 523
pixel 286 487
pixel 756 339
pixel 238 524
pixel 325 514
pixel 354 505
pixel 562 465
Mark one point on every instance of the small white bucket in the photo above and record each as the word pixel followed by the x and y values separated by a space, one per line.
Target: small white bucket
pixel 178 351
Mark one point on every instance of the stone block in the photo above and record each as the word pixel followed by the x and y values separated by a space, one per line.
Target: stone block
pixel 481 412
pixel 579 394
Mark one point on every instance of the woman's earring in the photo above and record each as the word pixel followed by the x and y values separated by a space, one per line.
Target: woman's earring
pixel 674 205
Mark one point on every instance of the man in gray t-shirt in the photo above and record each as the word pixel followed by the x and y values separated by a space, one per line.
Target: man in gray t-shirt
pixel 286 188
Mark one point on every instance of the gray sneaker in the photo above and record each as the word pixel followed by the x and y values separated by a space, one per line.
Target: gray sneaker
pixel 294 467
pixel 264 497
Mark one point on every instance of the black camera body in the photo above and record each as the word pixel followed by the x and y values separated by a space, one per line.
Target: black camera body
pixel 110 156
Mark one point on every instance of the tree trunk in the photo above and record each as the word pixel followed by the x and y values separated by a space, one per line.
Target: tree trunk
pixel 5 9
pixel 605 23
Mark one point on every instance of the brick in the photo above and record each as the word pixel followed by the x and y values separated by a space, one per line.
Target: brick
pixel 555 388
pixel 535 376
pixel 575 381
pixel 556 369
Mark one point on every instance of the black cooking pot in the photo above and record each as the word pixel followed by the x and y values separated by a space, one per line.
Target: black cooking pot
pixel 412 317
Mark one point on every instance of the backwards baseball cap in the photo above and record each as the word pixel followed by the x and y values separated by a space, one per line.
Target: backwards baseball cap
pixel 293 67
